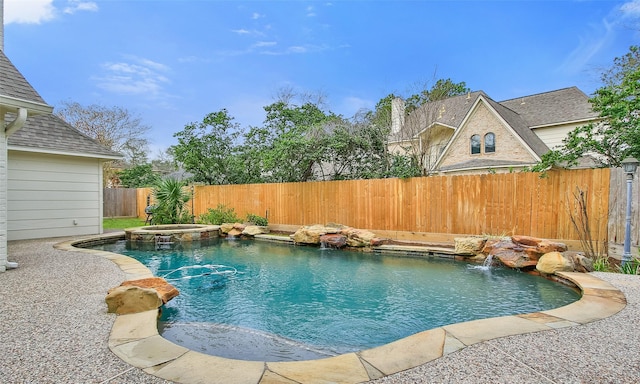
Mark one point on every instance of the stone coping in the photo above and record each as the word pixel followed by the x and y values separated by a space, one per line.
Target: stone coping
pixel 135 339
pixel 173 228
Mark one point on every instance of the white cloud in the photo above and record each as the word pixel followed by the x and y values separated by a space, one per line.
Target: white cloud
pixel 29 11
pixel 260 44
pixel 78 5
pixel 588 47
pixel 241 31
pixel 631 9
pixel 40 11
pixel 138 76
pixel 256 16
pixel 297 49
pixel 311 12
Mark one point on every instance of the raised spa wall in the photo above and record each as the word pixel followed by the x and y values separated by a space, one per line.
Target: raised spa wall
pixel 173 233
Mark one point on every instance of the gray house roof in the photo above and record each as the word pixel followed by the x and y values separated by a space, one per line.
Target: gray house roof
pixel 549 108
pixel 15 90
pixel 51 134
pixel 42 131
pixel 448 112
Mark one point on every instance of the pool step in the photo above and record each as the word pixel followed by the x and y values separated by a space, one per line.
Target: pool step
pixel 445 250
pixel 274 238
pixel 426 249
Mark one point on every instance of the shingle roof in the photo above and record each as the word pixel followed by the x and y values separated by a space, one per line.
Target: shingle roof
pixel 548 108
pixel 521 114
pixel 51 133
pixel 448 112
pixel 14 85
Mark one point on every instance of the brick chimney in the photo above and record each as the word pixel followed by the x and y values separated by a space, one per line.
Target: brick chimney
pixel 397 114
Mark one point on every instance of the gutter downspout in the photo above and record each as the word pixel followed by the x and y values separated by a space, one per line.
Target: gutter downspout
pixel 14 126
pixel 17 123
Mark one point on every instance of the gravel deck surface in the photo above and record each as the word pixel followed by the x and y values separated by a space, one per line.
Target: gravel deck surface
pixel 54 329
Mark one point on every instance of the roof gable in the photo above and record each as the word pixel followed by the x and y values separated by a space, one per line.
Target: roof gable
pixel 51 134
pixel 15 90
pixel 509 121
pixel 520 128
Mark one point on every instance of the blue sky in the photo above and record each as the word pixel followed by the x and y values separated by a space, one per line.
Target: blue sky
pixel 172 62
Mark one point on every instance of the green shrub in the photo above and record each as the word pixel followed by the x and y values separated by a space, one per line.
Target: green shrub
pixel 601 264
pixel 631 268
pixel 171 199
pixel 221 214
pixel 257 220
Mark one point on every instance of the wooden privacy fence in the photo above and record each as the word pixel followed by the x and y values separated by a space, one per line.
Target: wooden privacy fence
pixel 499 204
pixel 119 202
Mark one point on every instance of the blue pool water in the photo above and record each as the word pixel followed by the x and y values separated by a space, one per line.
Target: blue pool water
pixel 257 300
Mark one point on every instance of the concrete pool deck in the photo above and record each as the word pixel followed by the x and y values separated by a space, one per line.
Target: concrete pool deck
pixel 55 328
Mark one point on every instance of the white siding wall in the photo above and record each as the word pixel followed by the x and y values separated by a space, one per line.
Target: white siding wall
pixel 553 136
pixel 51 196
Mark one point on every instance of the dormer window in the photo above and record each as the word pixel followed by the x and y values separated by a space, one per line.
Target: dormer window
pixel 475 144
pixel 489 143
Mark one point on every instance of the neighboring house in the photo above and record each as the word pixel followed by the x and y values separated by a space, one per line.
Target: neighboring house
pixel 50 174
pixel 474 134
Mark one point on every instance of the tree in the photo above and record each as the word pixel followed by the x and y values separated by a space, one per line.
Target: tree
pixel 355 149
pixel 290 144
pixel 441 89
pixel 617 134
pixel 138 176
pixel 115 128
pixel 207 149
pixel 163 162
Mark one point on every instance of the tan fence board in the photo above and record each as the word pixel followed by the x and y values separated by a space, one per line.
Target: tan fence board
pixel 514 203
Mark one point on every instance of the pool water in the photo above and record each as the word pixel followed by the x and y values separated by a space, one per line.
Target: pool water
pixel 262 301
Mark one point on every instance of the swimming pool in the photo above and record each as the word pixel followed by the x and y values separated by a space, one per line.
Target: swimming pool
pixel 279 303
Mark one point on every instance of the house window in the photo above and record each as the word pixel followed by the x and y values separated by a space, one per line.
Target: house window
pixel 489 143
pixel 475 144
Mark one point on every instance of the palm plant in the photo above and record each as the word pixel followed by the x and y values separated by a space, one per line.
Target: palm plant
pixel 171 202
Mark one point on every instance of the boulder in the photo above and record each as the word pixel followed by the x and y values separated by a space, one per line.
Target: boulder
pixel 510 254
pixel 526 240
pixel 252 230
pixel 124 300
pixel 358 237
pixel 514 258
pixel 581 263
pixel 333 240
pixel 334 227
pixel 546 246
pixel 489 244
pixel 140 295
pixel 165 290
pixel 552 262
pixel 225 228
pixel 309 234
pixel 232 229
pixel 469 245
pixel 376 242
pixel 533 252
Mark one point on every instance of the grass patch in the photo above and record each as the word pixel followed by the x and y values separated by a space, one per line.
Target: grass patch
pixel 122 222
